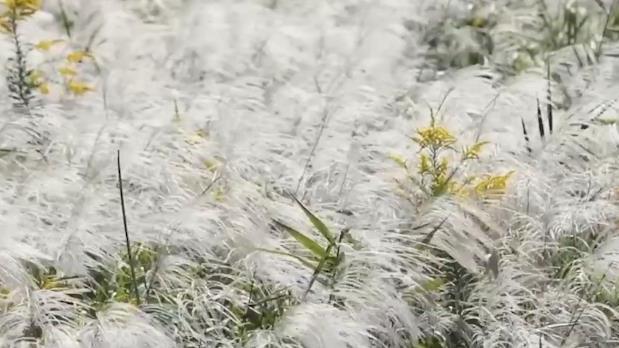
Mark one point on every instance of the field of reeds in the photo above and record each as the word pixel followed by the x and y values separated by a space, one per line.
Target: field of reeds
pixel 310 174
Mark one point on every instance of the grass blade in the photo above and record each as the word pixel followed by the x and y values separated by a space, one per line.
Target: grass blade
pixel 574 317
pixel 317 272
pixel 598 51
pixel 320 226
pixel 307 242
pixel 127 241
pixel 282 253
pixel 66 22
pixel 540 122
pixel 428 238
pixel 526 136
pixel 549 105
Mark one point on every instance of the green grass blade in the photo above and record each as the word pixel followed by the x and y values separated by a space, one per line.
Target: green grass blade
pixel 127 241
pixel 322 228
pixel 307 242
pixel 281 253
pixel 317 271
pixel 428 238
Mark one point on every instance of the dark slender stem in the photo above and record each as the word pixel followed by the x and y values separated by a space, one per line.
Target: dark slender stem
pixel 323 125
pixel 540 122
pixel 549 115
pixel 317 271
pixel 23 90
pixel 127 242
pixel 66 23
pixel 526 136
pixel 598 51
pixel 575 318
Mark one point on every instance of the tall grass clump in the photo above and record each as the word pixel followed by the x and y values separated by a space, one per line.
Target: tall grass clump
pixel 309 174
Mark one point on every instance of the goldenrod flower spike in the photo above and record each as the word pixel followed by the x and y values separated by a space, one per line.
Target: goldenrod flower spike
pixel 5 24
pixel 493 184
pixel 46 45
pixel 474 151
pixel 43 88
pixel 78 56
pixel 67 72
pixel 79 88
pixel 424 164
pixel 401 161
pixel 22 8
pixel 37 80
pixel 435 137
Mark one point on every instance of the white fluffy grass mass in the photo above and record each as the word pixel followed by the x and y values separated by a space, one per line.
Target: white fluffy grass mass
pixel 221 110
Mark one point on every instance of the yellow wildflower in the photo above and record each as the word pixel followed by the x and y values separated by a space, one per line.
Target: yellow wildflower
pixel 473 151
pixel 67 71
pixel 197 137
pixel 36 79
pixel 35 76
pixel 493 184
pixel 22 8
pixel 78 56
pixel 79 88
pixel 5 24
pixel 46 45
pixel 435 137
pixel 43 88
pixel 219 194
pixel 211 165
pixel 424 164
pixel 401 161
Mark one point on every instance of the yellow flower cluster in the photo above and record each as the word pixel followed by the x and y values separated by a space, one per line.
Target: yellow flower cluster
pixel 434 137
pixel 439 175
pixel 37 80
pixel 473 151
pixel 46 45
pixel 492 184
pixel 16 10
pixel 78 88
pixel 69 70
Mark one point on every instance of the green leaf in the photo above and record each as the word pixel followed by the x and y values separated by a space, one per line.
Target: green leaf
pixel 433 285
pixel 428 238
pixel 317 271
pixel 281 253
pixel 307 242
pixel 399 160
pixel 322 228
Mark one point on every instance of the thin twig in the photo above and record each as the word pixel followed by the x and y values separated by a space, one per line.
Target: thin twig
pixel 66 22
pixel 526 136
pixel 549 115
pixel 162 246
pixel 598 51
pixel 317 270
pixel 487 110
pixel 540 121
pixel 308 162
pixel 573 321
pixel 127 242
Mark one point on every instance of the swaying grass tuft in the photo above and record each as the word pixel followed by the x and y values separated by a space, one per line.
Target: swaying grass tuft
pixel 304 174
pixel 127 241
